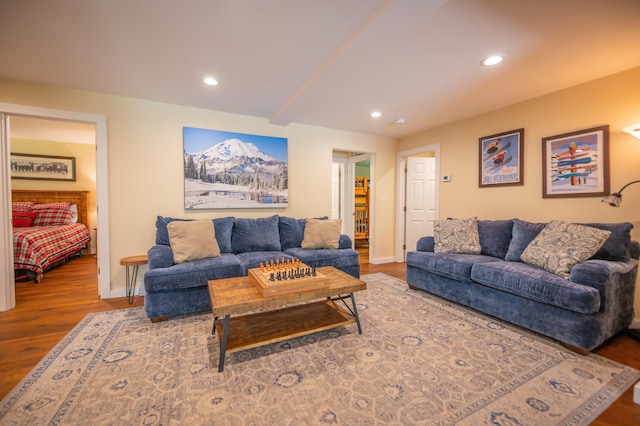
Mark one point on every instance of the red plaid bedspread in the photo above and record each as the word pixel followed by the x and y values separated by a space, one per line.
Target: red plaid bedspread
pixel 39 247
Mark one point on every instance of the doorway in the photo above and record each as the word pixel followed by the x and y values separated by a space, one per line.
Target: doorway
pixel 417 186
pixel 348 169
pixel 7 287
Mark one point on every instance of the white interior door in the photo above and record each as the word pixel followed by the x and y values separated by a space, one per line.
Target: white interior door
pixel 420 199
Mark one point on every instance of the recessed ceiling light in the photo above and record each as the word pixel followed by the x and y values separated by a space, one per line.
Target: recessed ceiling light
pixel 376 114
pixel 210 81
pixel 399 120
pixel 492 60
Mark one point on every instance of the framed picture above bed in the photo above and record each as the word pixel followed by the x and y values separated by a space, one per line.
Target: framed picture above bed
pixel 42 167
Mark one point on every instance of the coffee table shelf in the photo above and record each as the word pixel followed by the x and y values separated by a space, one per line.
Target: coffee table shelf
pixel 244 319
pixel 263 328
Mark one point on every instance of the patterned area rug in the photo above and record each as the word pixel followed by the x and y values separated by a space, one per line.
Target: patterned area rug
pixel 420 360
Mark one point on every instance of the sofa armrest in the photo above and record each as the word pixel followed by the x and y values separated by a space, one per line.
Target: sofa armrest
pixel 596 273
pixel 160 256
pixel 345 242
pixel 425 244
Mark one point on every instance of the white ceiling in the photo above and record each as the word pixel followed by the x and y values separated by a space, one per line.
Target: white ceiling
pixel 322 62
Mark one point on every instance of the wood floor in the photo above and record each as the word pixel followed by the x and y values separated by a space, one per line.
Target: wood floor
pixel 46 312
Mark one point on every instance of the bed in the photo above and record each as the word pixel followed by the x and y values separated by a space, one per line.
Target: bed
pixel 50 239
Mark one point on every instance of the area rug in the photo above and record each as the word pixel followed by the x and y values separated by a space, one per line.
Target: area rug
pixel 420 360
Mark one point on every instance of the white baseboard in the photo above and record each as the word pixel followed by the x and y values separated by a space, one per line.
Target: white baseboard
pixel 122 292
pixel 635 324
pixel 381 260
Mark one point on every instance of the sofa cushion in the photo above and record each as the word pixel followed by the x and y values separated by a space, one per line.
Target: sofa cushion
pixel 316 258
pixel 617 245
pixel 192 240
pixel 522 234
pixel 322 234
pixel 260 234
pixel 450 265
pixel 495 236
pixel 191 274
pixel 537 284
pixel 223 227
pixel 560 245
pixel 456 236
pixel 253 259
pixel 292 231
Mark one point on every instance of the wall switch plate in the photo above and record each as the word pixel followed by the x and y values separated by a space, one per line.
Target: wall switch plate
pixel 446 178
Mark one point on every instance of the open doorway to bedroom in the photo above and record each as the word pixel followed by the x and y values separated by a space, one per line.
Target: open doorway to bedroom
pixel 76 143
pixel 100 181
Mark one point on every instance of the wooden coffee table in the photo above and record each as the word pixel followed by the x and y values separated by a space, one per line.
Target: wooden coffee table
pixel 281 317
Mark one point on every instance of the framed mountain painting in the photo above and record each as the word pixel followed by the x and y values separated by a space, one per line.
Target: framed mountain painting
pixel 224 170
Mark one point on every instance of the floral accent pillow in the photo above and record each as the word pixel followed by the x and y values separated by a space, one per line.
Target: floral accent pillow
pixel 456 236
pixel 560 246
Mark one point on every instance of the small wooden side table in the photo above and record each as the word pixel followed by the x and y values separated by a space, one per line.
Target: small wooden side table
pixel 132 277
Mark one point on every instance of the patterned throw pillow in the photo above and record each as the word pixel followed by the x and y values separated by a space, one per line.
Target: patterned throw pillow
pixel 560 246
pixel 51 217
pixel 456 236
pixel 60 205
pixel 22 206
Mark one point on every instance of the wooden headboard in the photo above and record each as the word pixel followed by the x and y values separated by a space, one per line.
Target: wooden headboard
pixel 80 198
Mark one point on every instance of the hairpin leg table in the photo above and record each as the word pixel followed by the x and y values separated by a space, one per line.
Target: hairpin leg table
pixel 132 277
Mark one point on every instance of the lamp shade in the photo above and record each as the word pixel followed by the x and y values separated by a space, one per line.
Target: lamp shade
pixel 633 130
pixel 615 199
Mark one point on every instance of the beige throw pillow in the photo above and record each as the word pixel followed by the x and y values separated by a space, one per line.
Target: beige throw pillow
pixel 456 236
pixel 192 240
pixel 322 234
pixel 560 246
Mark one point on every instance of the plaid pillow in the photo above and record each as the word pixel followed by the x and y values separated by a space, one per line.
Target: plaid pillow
pixel 62 205
pixel 50 217
pixel 23 219
pixel 22 206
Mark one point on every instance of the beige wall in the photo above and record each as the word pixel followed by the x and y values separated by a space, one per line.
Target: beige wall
pixel 145 164
pixel 85 156
pixel 614 100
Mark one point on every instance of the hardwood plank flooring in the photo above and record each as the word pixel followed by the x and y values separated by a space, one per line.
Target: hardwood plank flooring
pixel 46 312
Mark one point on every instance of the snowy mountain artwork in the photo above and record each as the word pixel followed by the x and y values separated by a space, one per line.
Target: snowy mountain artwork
pixel 225 170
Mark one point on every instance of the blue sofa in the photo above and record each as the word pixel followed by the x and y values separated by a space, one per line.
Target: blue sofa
pixel 181 289
pixel 583 311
